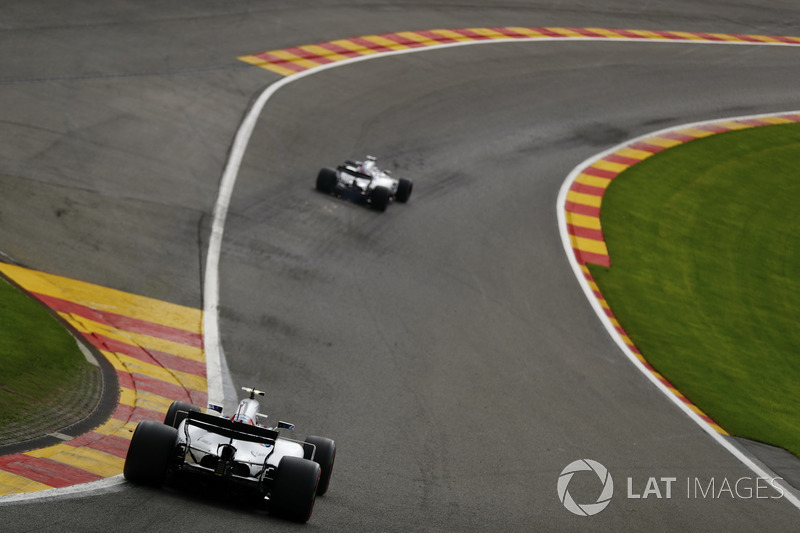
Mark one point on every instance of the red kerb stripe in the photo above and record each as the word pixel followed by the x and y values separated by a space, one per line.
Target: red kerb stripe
pixel 400 39
pixel 748 38
pixel 338 49
pixel 275 60
pixel 646 147
pixel 585 233
pixel 589 257
pixel 125 379
pixel 582 209
pixel 471 34
pixel 435 36
pixel 551 33
pixel 169 390
pixel 47 471
pixel 669 35
pixel 110 444
pixel 123 322
pixel 166 360
pixel 622 160
pixel 782 39
pixel 708 37
pixel 161 388
pixel 716 128
pixel 600 172
pixel 508 32
pixel 627 33
pixel 305 54
pixel 126 413
pixel 675 136
pixel 754 122
pixel 586 32
pixel 370 45
pixel 587 189
pixel 140 413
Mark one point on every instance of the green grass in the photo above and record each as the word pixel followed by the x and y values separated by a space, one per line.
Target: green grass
pixel 39 360
pixel 704 241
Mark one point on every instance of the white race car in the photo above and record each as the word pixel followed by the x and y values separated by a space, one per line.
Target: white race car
pixel 363 180
pixel 287 473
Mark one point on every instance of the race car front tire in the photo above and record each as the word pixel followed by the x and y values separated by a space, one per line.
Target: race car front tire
pixel 380 198
pixel 404 187
pixel 177 413
pixel 324 454
pixel 149 454
pixel 294 489
pixel 326 180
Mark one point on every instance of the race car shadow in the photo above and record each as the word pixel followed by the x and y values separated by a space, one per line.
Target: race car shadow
pixel 221 496
pixel 349 198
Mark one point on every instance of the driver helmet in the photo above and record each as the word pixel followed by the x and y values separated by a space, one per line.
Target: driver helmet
pixel 369 165
pixel 246 412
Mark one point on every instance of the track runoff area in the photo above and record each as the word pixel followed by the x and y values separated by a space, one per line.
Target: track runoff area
pixel 579 204
pixel 189 338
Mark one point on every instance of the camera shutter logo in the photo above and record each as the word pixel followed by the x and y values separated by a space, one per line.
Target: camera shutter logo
pixel 585 509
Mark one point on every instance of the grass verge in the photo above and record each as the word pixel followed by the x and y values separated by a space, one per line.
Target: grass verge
pixel 704 241
pixel 41 366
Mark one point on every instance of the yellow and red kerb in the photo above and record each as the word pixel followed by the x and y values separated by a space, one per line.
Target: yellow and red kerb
pixel 156 349
pixel 584 199
pixel 290 61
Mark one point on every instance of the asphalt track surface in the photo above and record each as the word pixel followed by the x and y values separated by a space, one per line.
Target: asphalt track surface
pixel 445 344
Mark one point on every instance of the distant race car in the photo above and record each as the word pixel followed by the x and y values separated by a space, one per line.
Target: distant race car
pixel 286 474
pixel 363 180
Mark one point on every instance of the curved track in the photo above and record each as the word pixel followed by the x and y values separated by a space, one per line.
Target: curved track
pixel 444 344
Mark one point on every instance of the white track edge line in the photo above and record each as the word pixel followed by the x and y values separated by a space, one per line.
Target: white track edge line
pixel 105 485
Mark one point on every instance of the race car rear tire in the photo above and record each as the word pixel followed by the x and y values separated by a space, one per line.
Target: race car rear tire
pixel 149 454
pixel 326 180
pixel 324 452
pixel 404 187
pixel 177 413
pixel 294 489
pixel 380 198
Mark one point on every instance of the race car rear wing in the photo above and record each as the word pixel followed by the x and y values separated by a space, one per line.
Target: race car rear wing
pixel 353 172
pixel 230 429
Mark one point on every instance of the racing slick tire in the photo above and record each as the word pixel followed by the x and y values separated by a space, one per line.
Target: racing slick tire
pixel 404 187
pixel 324 452
pixel 152 446
pixel 294 489
pixel 326 180
pixel 380 198
pixel 177 413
